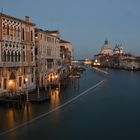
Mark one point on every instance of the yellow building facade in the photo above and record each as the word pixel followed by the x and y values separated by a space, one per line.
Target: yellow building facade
pixel 17 54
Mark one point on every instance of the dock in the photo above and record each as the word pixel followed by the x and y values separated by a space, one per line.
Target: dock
pixel 12 101
pixel 40 99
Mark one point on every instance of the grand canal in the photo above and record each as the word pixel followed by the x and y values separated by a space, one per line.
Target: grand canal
pixel 88 109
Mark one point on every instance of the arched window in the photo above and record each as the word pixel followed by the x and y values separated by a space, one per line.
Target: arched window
pixel 5 84
pixel 22 33
pixel 31 56
pixel 6 45
pixel 12 56
pixel 4 29
pixel 18 32
pixel 8 56
pixel 31 35
pixel 4 56
pixel 23 56
pixel 14 31
pixel 18 56
pixel 8 30
pixel 11 31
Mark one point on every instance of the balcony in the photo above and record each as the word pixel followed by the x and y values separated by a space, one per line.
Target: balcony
pixel 12 64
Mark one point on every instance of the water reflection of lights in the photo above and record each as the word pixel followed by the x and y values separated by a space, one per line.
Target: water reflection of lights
pixel 13 115
pixel 10 115
pixel 27 112
pixel 55 99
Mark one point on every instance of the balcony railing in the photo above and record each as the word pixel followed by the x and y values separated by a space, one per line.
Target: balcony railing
pixel 16 64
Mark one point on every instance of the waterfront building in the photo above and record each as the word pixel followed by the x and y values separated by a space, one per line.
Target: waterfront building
pixel 87 61
pixel 65 53
pixel 118 50
pixel 119 59
pixel 66 57
pixel 129 62
pixel 47 57
pixel 104 56
pixel 106 49
pixel 17 57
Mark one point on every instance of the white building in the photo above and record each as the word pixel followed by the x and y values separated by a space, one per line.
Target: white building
pixel 17 58
pixel 66 58
pixel 118 50
pixel 129 62
pixel 47 56
pixel 106 49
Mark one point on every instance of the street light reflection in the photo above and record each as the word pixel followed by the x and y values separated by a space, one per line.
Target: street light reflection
pixel 27 112
pixel 55 98
pixel 11 119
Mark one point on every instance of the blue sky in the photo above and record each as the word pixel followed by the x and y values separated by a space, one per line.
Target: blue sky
pixel 85 23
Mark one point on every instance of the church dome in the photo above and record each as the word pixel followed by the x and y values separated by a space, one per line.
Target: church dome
pixel 118 49
pixel 106 50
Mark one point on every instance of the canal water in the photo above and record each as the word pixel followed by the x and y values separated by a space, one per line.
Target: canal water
pixel 87 109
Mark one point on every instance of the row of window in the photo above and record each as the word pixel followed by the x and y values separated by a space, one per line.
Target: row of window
pixel 5 83
pixel 15 31
pixel 13 46
pixel 49 39
pixel 23 35
pixel 15 56
pixel 10 30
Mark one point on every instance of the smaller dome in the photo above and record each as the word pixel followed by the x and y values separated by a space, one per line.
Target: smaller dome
pixel 106 42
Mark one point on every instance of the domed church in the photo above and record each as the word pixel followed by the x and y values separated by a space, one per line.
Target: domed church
pixel 106 50
pixel 118 50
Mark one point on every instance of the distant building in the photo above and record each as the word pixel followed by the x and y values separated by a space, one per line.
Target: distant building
pixel 17 57
pixel 103 58
pixel 116 58
pixel 87 61
pixel 106 49
pixel 66 57
pixel 48 58
pixel 129 62
pixel 118 50
pixel 66 52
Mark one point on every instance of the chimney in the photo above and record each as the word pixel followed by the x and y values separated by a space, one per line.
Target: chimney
pixel 27 18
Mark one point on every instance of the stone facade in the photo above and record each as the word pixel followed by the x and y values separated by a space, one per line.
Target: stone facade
pixel 66 57
pixel 17 57
pixel 118 59
pixel 30 57
pixel 47 56
pixel 106 49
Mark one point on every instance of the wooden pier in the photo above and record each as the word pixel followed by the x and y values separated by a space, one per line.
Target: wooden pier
pixel 12 102
pixel 40 99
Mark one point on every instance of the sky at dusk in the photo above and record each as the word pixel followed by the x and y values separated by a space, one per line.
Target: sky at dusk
pixel 85 23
